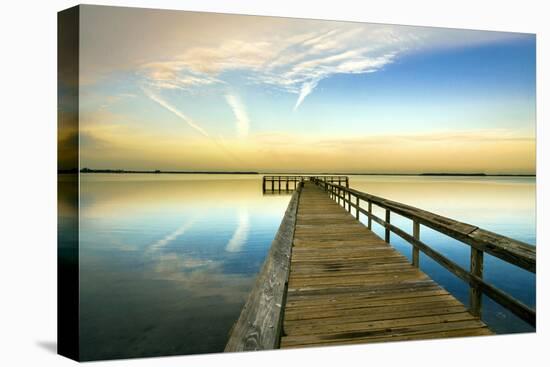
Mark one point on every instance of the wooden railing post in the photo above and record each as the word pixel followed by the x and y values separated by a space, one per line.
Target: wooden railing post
pixel 476 268
pixel 387 236
pixel 369 222
pixel 415 250
pixel 357 207
pixel 349 202
pixel 272 183
pixel 279 183
pixel 263 184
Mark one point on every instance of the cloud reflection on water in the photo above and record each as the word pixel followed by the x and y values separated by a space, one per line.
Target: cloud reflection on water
pixel 240 235
pixel 171 236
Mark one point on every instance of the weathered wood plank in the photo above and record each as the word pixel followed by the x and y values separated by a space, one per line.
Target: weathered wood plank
pixel 290 326
pixel 259 324
pixel 443 330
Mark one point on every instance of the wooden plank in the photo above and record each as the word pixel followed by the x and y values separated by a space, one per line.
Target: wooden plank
pixel 362 323
pixel 333 299
pixel 385 327
pixel 259 324
pixel 374 289
pixel 355 307
pixel 420 336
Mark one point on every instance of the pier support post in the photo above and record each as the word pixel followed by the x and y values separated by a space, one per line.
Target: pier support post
pixel 387 236
pixel 415 251
pixel 369 222
pixel 476 268
pixel 357 207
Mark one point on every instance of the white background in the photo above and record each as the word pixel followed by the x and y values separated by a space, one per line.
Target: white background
pixel 28 182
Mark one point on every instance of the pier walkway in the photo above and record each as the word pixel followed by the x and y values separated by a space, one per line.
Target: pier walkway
pixel 347 285
pixel 329 279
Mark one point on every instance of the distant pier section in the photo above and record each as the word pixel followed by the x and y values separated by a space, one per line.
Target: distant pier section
pixel 328 279
pixel 277 184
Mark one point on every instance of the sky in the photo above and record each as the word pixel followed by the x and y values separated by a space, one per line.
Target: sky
pixel 176 90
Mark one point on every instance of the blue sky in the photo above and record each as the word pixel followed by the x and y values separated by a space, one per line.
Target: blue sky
pixel 227 92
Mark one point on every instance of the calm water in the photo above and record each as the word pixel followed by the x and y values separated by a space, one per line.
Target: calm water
pixel 167 261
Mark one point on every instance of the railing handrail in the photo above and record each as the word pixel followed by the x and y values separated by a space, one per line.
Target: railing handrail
pixel 508 249
pixel 512 251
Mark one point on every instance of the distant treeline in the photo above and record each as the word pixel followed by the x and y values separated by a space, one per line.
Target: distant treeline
pixel 398 174
pixel 89 170
pixel 474 174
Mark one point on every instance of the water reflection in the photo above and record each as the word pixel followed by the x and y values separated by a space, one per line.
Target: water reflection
pixel 168 261
pixel 171 236
pixel 240 235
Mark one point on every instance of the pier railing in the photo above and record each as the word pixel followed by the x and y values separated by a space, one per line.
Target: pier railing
pixel 480 241
pixel 260 322
pixel 290 183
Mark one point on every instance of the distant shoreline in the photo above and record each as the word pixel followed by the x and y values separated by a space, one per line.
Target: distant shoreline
pixel 428 174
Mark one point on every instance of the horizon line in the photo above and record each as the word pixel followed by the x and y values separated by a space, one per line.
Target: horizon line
pixel 306 173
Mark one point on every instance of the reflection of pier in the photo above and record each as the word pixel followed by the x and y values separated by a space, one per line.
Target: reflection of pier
pixel 328 279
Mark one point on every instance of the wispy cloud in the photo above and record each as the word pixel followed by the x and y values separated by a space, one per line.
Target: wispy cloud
pixel 306 89
pixel 241 116
pixel 174 110
pixel 293 64
pixel 297 63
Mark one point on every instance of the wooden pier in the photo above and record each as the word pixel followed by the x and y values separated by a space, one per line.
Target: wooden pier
pixel 330 280
pixel 285 184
